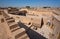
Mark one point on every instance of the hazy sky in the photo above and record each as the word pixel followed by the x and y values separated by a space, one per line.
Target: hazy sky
pixel 33 3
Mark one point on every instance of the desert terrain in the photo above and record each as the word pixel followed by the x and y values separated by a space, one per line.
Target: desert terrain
pixel 29 23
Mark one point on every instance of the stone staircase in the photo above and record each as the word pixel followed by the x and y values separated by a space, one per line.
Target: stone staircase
pixel 16 31
pixel 12 24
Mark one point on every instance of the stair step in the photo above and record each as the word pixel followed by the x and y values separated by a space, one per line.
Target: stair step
pixel 14 29
pixel 25 36
pixel 11 23
pixel 9 18
pixel 18 33
pixel 12 26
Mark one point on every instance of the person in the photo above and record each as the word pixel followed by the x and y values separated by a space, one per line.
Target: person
pixel 48 23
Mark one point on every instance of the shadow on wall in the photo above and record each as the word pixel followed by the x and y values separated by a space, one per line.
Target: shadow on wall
pixel 32 34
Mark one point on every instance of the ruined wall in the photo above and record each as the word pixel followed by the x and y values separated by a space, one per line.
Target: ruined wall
pixel 56 24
